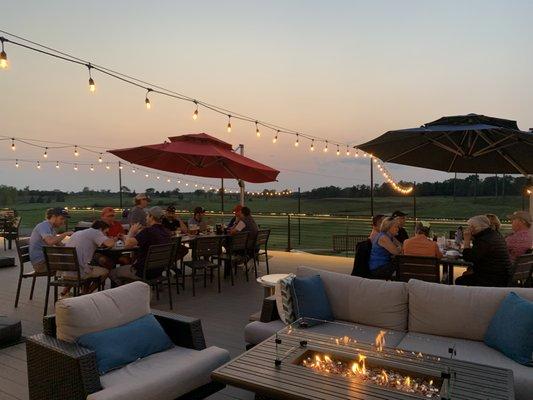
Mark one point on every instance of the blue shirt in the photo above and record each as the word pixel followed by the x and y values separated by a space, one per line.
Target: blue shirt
pixel 40 231
pixel 379 255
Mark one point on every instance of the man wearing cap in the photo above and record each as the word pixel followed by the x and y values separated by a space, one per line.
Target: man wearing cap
pixel 115 227
pixel 153 234
pixel 198 219
pixel 402 233
pixel 137 214
pixel 521 240
pixel 171 221
pixel 420 244
pixel 44 234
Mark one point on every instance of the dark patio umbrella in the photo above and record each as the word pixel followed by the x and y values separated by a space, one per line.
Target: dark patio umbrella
pixel 465 143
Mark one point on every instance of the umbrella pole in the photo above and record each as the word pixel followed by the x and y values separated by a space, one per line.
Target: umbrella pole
pixel 241 182
pixel 371 187
pixel 120 183
pixel 222 196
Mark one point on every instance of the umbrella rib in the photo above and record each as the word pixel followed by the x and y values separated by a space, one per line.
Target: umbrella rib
pixel 458 148
pixel 456 155
pixel 492 146
pixel 443 146
pixel 406 152
pixel 504 155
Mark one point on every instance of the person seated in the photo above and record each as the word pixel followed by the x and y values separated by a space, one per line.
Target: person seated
pixel 245 223
pixel 154 233
pixel 137 215
pixel 376 224
pixel 45 234
pixel 115 230
pixel 488 253
pixel 172 222
pixel 402 234
pixel 86 242
pixel 197 220
pixel 520 241
pixel 384 247
pixel 233 221
pixel 495 223
pixel 459 236
pixel 420 244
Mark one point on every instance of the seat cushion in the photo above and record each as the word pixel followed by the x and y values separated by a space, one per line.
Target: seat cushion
pixel 455 311
pixel 473 351
pixel 364 301
pixel 94 312
pixel 162 376
pixel 256 332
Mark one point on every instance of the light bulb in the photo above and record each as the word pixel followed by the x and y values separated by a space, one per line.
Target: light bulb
pixel 76 153
pixel 147 176
pixel 257 132
pixel 75 167
pixel 338 151
pixel 92 86
pixel 38 165
pixel 13 144
pixel 168 180
pixel 275 137
pixel 107 167
pixel 179 181
pixel 120 166
pixel 157 177
pixel 45 155
pixel 3 57
pixel 326 147
pixel 347 151
pixel 100 158
pixel 133 170
pixel 92 168
pixel 312 145
pixel 147 100
pixel 195 113
pixel 195 185
pixel 57 164
pixel 186 184
pixel 17 163
pixel 297 142
pixel 229 123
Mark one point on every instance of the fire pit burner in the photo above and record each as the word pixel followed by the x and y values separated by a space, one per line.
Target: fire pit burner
pixel 373 371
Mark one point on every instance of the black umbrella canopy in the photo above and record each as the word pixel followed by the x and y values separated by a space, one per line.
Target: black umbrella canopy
pixel 464 143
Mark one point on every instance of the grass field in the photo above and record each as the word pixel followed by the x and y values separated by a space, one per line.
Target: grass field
pixel 312 232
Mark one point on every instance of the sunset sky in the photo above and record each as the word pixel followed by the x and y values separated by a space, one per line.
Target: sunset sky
pixel 344 70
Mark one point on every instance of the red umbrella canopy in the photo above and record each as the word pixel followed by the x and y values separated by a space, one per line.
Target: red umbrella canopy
pixel 199 155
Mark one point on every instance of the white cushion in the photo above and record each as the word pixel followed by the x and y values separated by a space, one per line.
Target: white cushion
pixel 364 301
pixel 473 351
pixel 94 312
pixel 455 311
pixel 162 376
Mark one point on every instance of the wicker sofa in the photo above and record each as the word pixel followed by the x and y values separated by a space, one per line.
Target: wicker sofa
pixel 418 316
pixel 59 369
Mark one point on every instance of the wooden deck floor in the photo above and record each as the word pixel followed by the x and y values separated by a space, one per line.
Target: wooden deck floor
pixel 223 315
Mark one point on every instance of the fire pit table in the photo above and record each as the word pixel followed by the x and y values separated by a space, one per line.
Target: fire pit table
pixel 298 362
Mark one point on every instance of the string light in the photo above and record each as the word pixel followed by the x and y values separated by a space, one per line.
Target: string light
pixel 45 155
pixel 312 145
pixel 75 167
pixel 168 180
pixel 338 151
pixel 76 153
pixel 147 100
pixel 347 151
pixel 275 137
pixel 133 170
pixel 147 176
pixel 100 158
pixel 157 177
pixel 17 164
pixel 297 142
pixel 92 86
pixel 120 166
pixel 195 113
pixel 3 56
pixel 107 166
pixel 91 168
pixel 257 132
pixel 13 144
pixel 57 164
pixel 229 123
pixel 326 147
pixel 38 165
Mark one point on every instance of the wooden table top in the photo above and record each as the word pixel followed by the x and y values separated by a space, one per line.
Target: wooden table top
pixel 255 371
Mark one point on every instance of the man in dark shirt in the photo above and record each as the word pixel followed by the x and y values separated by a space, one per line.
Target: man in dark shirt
pixel 171 221
pixel 402 233
pixel 153 234
pixel 246 223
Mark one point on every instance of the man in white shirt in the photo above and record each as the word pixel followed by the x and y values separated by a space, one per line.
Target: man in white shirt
pixel 86 242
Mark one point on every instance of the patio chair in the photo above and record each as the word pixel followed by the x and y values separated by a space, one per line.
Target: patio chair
pixel 362 258
pixel 9 230
pixel 522 271
pixel 60 260
pixel 204 250
pixel 159 259
pixel 237 254
pixel 262 240
pixel 59 368
pixel 416 267
pixel 179 271
pixel 23 250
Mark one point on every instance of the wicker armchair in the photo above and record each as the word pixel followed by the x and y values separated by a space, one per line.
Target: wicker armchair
pixel 59 370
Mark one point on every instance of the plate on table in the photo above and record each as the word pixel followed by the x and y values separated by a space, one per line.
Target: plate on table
pixel 452 254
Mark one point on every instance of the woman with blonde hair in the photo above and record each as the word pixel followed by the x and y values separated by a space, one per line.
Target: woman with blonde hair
pixel 495 223
pixel 384 247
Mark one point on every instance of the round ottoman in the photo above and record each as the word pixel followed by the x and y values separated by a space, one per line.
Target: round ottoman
pixel 10 331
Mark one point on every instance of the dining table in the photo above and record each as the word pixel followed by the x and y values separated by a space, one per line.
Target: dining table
pixel 453 257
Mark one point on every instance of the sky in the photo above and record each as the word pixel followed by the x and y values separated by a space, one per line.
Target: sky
pixel 344 70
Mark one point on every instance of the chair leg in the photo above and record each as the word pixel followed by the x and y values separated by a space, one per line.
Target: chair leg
pixel 193 278
pixel 169 290
pixel 47 295
pixel 218 276
pixel 55 295
pixel 266 260
pixel 182 275
pixel 205 277
pixel 246 272
pixel 177 281
pixel 157 291
pixel 32 286
pixel 18 290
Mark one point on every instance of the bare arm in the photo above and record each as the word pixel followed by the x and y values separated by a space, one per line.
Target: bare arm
pixel 387 243
pixel 109 242
pixel 55 240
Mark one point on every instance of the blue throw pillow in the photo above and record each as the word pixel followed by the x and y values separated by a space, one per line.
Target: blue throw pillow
pixel 511 329
pixel 310 298
pixel 116 347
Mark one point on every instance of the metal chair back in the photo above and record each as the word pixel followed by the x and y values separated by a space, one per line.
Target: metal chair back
pixel 206 246
pixel 61 259
pixel 159 257
pixel 23 250
pixel 522 271
pixel 416 267
pixel 262 237
pixel 238 242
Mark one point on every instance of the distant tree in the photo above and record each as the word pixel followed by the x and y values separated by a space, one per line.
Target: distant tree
pixel 126 189
pixel 150 191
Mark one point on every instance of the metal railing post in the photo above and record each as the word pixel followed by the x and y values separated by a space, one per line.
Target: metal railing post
pixel 288 232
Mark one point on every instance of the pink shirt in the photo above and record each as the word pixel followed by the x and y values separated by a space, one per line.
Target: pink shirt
pixel 519 242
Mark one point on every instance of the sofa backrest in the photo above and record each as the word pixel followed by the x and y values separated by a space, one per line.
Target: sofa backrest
pixel 364 301
pixel 94 312
pixel 455 311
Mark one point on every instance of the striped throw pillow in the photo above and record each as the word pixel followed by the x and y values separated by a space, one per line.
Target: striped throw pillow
pixel 284 300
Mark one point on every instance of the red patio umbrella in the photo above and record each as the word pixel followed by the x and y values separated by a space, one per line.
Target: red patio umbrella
pixel 199 155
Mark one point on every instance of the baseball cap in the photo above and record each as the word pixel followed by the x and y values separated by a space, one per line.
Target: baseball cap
pixel 57 211
pixel 107 210
pixel 142 196
pixel 199 210
pixel 156 212
pixel 237 208
pixel 523 215
pixel 398 213
pixel 171 209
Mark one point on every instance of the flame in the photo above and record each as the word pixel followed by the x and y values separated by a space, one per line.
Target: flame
pixel 407 381
pixel 380 340
pixel 384 376
pixel 346 339
pixel 327 359
pixel 431 382
pixel 318 359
